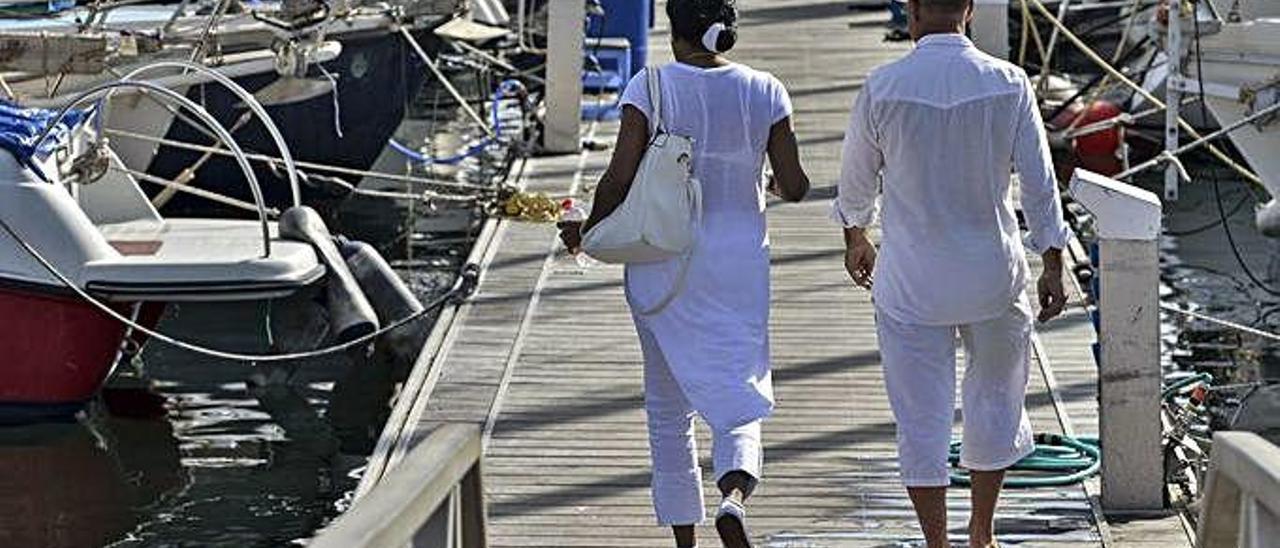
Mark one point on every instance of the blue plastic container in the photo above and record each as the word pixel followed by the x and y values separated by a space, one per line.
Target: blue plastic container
pixel 629 19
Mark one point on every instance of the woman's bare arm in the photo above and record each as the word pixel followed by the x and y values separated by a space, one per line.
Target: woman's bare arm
pixel 633 138
pixel 612 189
pixel 789 179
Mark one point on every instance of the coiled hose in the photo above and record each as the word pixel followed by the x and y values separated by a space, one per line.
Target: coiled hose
pixel 1064 460
pixel 1057 461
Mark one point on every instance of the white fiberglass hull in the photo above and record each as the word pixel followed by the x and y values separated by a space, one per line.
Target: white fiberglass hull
pixel 1241 75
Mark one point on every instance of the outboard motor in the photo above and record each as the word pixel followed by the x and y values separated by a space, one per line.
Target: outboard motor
pixel 391 298
pixel 350 314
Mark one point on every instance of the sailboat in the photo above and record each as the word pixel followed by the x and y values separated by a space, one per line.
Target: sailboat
pixel 1239 70
pixel 313 65
pixel 87 263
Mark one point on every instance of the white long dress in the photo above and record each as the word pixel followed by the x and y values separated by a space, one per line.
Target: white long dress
pixel 715 334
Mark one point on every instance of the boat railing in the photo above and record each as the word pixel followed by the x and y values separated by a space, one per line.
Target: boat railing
pixel 1241 507
pixel 221 132
pixel 251 103
pixel 433 498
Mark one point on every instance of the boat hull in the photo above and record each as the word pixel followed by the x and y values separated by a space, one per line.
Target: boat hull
pixel 58 351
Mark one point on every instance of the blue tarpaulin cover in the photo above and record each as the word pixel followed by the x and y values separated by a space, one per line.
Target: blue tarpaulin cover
pixel 20 127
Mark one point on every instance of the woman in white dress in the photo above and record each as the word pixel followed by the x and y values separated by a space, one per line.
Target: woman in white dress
pixel 707 352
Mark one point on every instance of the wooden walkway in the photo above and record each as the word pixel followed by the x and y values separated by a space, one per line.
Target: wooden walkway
pixel 546 358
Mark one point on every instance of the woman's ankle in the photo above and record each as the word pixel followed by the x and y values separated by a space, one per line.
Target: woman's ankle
pixel 737 484
pixel 980 538
pixel 686 537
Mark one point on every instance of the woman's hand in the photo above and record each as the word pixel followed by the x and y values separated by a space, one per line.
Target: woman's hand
pixel 571 235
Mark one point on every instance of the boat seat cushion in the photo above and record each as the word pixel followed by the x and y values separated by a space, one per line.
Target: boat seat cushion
pixel 199 257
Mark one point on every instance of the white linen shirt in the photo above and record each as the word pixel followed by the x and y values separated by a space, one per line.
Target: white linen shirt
pixel 938 133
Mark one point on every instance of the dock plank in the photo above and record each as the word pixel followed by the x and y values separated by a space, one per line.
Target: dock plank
pixel 545 357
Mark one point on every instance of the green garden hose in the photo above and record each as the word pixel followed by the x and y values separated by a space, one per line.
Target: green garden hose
pixel 1172 389
pixel 1057 460
pixel 1062 460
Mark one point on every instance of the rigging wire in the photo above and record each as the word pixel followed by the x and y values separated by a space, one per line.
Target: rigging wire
pixel 1213 175
pixel 1219 321
pixel 462 288
pixel 1212 224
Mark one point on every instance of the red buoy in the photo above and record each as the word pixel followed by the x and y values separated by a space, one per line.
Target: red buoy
pixel 1098 151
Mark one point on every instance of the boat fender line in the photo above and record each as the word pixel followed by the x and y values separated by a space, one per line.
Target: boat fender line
pixel 390 296
pixel 350 314
pixel 463 287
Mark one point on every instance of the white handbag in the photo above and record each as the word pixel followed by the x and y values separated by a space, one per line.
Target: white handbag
pixel 659 218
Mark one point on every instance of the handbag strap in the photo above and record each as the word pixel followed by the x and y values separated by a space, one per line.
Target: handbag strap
pixel 682 277
pixel 654 79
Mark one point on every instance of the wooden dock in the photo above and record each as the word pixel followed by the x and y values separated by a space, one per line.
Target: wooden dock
pixel 545 358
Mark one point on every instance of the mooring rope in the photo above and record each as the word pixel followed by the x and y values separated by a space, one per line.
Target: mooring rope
pixel 272 160
pixel 462 287
pixel 1221 322
pixel 1148 96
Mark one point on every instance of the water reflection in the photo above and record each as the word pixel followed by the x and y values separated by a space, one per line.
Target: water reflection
pixel 269 451
pixel 84 484
pixel 1200 270
pixel 185 450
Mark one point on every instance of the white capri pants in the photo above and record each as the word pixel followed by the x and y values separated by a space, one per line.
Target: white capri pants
pixel 920 376
pixel 677 477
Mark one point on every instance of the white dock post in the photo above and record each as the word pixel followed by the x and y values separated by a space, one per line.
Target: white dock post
pixel 990 27
pixel 1128 226
pixel 565 36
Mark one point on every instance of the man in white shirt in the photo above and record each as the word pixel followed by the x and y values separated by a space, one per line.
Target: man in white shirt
pixel 937 134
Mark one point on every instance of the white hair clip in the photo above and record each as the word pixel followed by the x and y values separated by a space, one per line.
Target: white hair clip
pixel 711 38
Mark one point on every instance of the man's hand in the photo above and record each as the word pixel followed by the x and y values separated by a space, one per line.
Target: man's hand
pixel 571 235
pixel 1053 297
pixel 859 257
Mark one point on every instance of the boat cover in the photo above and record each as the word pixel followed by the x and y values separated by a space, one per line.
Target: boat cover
pixel 20 127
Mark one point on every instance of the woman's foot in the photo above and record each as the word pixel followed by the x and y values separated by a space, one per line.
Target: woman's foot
pixel 731 521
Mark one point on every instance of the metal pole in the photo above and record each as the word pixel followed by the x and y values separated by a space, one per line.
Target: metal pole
pixel 1173 55
pixel 564 76
pixel 1156 101
pixel 1180 150
pixel 444 81
pixel 1063 9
